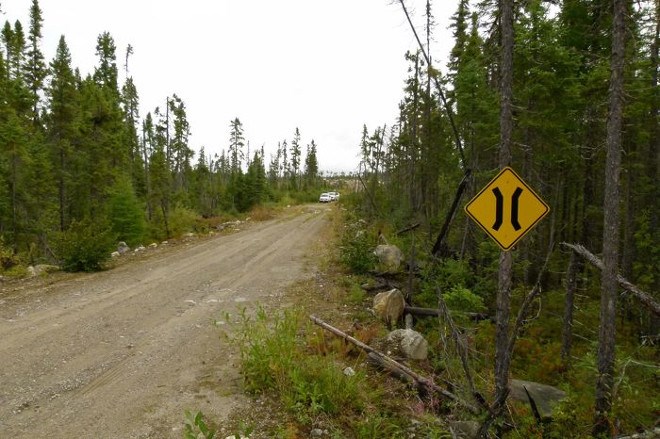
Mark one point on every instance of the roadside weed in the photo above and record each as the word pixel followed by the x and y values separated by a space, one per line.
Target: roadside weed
pixel 276 357
pixel 196 428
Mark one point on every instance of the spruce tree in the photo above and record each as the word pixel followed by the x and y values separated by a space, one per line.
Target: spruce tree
pixel 236 145
pixel 296 160
pixel 311 166
pixel 35 66
pixel 62 126
pixel 180 153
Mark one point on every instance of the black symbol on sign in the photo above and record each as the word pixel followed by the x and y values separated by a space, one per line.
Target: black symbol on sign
pixel 499 208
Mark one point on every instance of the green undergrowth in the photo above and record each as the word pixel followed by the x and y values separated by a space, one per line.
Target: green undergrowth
pixel 469 287
pixel 283 355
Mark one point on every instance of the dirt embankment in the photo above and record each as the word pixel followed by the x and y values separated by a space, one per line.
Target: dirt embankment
pixel 122 353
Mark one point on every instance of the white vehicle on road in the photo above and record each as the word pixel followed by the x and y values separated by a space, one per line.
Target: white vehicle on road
pixel 325 198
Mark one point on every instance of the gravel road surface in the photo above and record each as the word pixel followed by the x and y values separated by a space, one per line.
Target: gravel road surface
pixel 122 353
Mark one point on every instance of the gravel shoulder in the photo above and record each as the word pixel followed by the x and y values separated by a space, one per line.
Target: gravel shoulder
pixel 123 353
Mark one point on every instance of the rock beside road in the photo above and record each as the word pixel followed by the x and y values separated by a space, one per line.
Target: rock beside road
pixel 411 343
pixel 389 257
pixel 389 306
pixel 545 397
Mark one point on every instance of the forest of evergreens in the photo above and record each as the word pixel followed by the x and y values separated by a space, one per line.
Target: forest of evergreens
pixel 77 157
pixel 566 93
pixel 560 82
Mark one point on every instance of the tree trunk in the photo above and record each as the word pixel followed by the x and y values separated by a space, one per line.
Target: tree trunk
pixel 502 359
pixel 611 223
pixel 571 286
pixel 653 163
pixel 60 183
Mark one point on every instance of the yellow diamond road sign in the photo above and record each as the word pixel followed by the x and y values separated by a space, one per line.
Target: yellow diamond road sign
pixel 507 208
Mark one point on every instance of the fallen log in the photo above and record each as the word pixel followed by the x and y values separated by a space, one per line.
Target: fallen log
pixel 380 284
pixel 432 312
pixel 407 229
pixel 418 379
pixel 650 434
pixel 642 296
pixel 377 361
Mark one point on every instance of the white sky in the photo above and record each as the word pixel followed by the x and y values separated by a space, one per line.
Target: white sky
pixel 324 66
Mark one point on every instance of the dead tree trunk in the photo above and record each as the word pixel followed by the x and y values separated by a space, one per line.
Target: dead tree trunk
pixel 567 332
pixel 611 223
pixel 502 359
pixel 503 303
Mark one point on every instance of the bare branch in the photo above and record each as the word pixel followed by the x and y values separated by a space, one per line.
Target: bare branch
pixel 642 296
pixel 420 380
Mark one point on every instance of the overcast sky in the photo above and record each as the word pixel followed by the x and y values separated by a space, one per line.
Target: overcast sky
pixel 324 66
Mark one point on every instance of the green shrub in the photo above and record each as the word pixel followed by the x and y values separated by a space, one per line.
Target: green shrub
pixel 356 248
pixel 17 272
pixel 7 257
pixel 182 220
pixel 452 278
pixel 84 246
pixel 459 298
pixel 126 214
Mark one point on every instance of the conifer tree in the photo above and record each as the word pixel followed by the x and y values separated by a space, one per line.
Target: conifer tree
pixel 104 127
pixel 236 145
pixel 130 106
pixel 160 176
pixel 35 68
pixel 62 126
pixel 284 164
pixel 180 153
pixel 274 166
pixel 147 146
pixel 106 74
pixel 201 191
pixel 296 156
pixel 15 137
pixel 311 166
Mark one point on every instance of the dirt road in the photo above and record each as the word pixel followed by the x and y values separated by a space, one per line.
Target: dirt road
pixel 122 353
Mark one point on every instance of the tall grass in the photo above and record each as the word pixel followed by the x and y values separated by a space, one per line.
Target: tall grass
pixel 275 357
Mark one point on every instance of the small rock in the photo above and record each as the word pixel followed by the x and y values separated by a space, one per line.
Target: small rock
pixel 115 254
pixel 389 305
pixel 349 372
pixel 390 257
pixel 411 343
pixel 164 243
pixel 31 271
pixel 465 429
pixel 139 249
pixel 123 248
pixel 153 245
pixel 317 432
pixel 41 269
